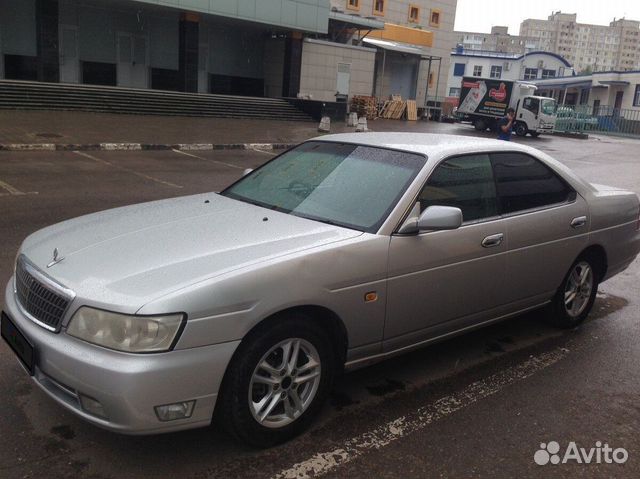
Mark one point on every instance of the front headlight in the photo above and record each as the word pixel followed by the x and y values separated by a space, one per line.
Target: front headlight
pixel 131 334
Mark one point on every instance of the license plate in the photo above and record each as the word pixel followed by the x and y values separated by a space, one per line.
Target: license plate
pixel 18 342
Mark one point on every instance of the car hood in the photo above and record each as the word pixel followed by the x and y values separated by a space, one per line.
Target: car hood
pixel 131 255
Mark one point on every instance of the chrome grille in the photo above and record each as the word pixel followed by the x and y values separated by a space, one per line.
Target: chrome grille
pixel 39 298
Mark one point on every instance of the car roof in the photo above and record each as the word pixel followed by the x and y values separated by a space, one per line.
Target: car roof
pixel 432 145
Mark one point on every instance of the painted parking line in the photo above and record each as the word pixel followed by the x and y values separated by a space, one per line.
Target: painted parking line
pixel 230 165
pixel 12 191
pixel 325 462
pixel 128 170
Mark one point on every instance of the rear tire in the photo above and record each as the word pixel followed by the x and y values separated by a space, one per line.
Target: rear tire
pixel 574 299
pixel 521 129
pixel 266 398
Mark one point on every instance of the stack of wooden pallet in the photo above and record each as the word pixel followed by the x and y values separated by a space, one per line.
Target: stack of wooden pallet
pixel 366 106
pixel 393 109
pixel 412 110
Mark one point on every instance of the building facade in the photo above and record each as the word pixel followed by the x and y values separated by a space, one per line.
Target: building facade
pixel 600 91
pixel 321 49
pixel 216 46
pixel 498 40
pixel 528 67
pixel 412 48
pixel 590 48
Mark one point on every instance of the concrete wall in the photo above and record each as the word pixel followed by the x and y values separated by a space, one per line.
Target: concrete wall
pixel 320 68
pixel 308 15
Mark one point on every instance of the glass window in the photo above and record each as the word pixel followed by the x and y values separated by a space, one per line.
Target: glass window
pixel 496 71
pixel 353 4
pixel 636 96
pixel 465 182
pixel 477 71
pixel 531 104
pixel 378 7
pixel 458 69
pixel 453 91
pixel 348 185
pixel 548 73
pixel 524 183
pixel 434 19
pixel 414 14
pixel 549 106
pixel 530 73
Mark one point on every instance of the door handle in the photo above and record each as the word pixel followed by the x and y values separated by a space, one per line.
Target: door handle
pixel 493 240
pixel 578 222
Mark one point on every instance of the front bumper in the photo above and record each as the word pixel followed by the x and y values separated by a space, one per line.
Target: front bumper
pixel 128 386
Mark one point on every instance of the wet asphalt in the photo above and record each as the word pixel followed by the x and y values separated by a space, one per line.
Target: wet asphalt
pixel 476 426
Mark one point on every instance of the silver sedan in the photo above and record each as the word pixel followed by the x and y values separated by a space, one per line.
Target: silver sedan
pixel 340 252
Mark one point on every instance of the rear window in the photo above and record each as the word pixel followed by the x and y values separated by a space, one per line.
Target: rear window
pixel 525 183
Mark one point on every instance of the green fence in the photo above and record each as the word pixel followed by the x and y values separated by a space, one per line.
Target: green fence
pixel 603 120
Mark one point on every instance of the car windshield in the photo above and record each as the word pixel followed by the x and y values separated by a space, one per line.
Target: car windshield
pixel 336 183
pixel 548 106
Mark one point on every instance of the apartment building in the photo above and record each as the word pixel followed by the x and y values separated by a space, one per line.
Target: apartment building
pixel 412 49
pixel 590 48
pixel 499 40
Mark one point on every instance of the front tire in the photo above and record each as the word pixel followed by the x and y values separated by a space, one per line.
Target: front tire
pixel 480 125
pixel 575 297
pixel 277 382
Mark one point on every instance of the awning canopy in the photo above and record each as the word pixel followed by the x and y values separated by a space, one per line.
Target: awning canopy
pixel 613 82
pixel 398 47
pixel 356 20
pixel 564 84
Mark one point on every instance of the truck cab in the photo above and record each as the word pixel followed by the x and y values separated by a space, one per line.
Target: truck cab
pixel 534 115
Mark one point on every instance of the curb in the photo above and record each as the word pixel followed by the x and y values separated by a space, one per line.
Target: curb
pixel 577 136
pixel 143 146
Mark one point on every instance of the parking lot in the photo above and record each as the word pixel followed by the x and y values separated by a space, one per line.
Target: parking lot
pixel 479 405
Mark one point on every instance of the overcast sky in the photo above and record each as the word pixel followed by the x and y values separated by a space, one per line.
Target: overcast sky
pixel 481 15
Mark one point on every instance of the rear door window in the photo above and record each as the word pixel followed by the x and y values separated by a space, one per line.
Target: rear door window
pixel 525 183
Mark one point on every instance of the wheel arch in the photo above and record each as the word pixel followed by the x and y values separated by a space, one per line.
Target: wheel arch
pixel 598 255
pixel 322 316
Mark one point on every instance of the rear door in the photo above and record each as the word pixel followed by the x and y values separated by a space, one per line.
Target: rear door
pixel 546 221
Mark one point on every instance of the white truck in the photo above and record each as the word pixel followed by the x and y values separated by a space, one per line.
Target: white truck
pixel 484 101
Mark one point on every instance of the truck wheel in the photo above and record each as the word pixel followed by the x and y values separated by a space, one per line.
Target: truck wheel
pixel 521 129
pixel 277 382
pixel 480 125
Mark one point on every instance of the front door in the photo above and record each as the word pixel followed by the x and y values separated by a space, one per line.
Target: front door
pixel 69 63
pixel 343 79
pixel 439 281
pixel 132 61
pixel 618 103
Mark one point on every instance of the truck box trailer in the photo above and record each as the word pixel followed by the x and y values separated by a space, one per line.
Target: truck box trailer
pixel 483 101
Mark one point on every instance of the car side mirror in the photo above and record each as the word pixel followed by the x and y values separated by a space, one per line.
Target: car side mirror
pixel 247 171
pixel 434 218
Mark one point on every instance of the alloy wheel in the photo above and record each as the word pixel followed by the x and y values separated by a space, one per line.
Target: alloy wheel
pixel 578 289
pixel 284 383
